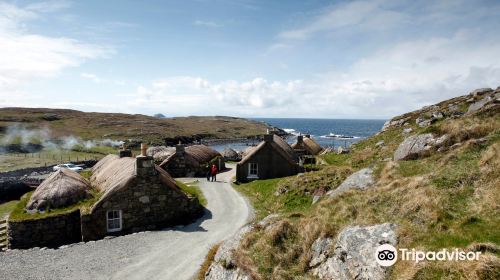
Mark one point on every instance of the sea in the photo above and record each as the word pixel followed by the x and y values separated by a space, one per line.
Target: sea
pixel 327 132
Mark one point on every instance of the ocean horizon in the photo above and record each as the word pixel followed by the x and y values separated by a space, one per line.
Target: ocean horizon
pixel 327 132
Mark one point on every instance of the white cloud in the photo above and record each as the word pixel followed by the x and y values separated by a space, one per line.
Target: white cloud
pixel 26 56
pixel 386 83
pixel 369 14
pixel 92 77
pixel 206 23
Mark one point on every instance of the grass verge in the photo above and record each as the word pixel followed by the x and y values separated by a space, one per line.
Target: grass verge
pixel 194 190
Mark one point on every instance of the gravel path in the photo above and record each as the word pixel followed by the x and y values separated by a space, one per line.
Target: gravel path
pixel 173 253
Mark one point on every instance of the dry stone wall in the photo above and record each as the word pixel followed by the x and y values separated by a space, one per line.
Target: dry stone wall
pixel 46 232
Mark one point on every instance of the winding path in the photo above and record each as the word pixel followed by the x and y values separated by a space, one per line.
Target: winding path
pixel 173 253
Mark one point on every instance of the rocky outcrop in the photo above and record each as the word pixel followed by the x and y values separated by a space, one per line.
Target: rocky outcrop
pixel 362 180
pixel 224 266
pixel 413 146
pixel 394 123
pixel 353 255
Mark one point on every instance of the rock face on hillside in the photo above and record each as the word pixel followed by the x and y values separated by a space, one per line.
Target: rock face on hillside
pixel 224 267
pixel 362 180
pixel 413 146
pixel 353 255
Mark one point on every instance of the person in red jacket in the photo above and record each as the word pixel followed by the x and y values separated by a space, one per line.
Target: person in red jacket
pixel 214 173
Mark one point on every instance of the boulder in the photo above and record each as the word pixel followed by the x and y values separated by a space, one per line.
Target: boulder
pixel 412 146
pixel 379 143
pixel 407 130
pixel 321 249
pixel 353 256
pixel 478 105
pixel 342 150
pixel 423 122
pixel 393 122
pixel 223 266
pixel 481 91
pixel 361 180
pixel 438 115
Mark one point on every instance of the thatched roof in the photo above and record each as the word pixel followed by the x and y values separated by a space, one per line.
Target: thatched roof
pixel 112 174
pixel 62 188
pixel 229 153
pixel 160 153
pixel 195 155
pixel 309 145
pixel 279 145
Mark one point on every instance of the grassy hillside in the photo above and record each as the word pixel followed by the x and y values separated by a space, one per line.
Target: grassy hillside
pixel 91 126
pixel 443 199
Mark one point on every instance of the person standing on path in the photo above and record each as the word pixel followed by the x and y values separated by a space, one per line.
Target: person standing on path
pixel 214 173
pixel 209 172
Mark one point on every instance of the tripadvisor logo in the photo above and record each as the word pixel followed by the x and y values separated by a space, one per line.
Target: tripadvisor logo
pixel 387 255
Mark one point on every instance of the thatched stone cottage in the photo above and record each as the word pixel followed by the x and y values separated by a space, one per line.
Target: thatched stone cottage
pixel 160 153
pixel 306 148
pixel 192 161
pixel 62 188
pixel 137 195
pixel 131 195
pixel 230 154
pixel 272 158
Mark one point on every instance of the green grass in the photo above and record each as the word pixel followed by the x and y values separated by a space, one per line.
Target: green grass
pixel 7 207
pixel 261 194
pixel 19 212
pixel 194 190
pixel 336 159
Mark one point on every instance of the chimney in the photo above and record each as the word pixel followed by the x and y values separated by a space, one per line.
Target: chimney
pixel 268 138
pixel 124 152
pixel 179 149
pixel 300 139
pixel 144 164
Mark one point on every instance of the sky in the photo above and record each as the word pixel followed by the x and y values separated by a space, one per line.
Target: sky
pixel 246 58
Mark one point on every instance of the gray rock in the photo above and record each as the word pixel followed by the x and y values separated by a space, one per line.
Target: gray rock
pixel 412 146
pixel 354 254
pixel 481 91
pixel 224 267
pixel 342 150
pixel 362 180
pixel 441 140
pixel 438 115
pixel 407 130
pixel 380 143
pixel 423 122
pixel 396 123
pixel 478 105
pixel 321 250
pixel 268 221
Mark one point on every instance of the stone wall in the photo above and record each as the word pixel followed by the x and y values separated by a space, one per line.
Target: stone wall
pixel 146 204
pixel 46 232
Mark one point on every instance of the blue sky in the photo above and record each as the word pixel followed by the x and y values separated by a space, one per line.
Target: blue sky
pixel 326 59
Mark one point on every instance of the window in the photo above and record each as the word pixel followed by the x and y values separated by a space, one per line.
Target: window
pixel 253 170
pixel 114 220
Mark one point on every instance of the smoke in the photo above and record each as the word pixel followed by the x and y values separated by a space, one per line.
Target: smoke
pixel 18 138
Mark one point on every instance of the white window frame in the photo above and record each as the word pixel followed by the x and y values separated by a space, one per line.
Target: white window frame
pixel 250 174
pixel 119 218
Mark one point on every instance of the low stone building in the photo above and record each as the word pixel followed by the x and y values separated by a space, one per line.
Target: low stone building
pixel 129 195
pixel 307 148
pixel 272 158
pixel 230 154
pixel 192 161
pixel 137 195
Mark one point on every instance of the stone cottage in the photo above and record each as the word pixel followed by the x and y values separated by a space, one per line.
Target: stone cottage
pixel 272 158
pixel 307 148
pixel 192 161
pixel 132 194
